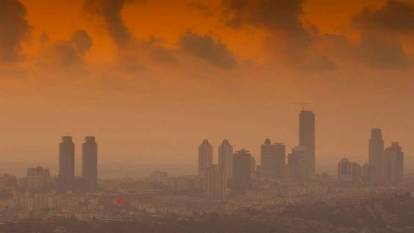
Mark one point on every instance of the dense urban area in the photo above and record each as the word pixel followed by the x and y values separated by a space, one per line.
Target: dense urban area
pixel 281 193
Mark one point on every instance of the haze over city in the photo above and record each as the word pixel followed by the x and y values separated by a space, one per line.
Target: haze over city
pixel 206 116
pixel 151 79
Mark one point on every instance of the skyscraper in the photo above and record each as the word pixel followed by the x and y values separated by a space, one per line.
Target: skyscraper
pixel 273 159
pixel 225 159
pixel 394 163
pixel 90 163
pixel 376 157
pixel 307 137
pixel 242 171
pixel 205 158
pixel 66 161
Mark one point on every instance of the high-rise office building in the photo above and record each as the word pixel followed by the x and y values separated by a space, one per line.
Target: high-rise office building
pixel 273 159
pixel 205 158
pixel 394 163
pixel 307 137
pixel 376 157
pixel 90 163
pixel 298 164
pixel 242 171
pixel 349 171
pixel 357 171
pixel 216 184
pixel 225 159
pixel 66 161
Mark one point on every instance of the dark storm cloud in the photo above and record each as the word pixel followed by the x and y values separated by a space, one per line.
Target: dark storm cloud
pixel 205 47
pixel 288 35
pixel 13 29
pixel 72 51
pixel 299 42
pixel 81 41
pixel 269 14
pixel 200 7
pixel 373 50
pixel 110 11
pixel 381 46
pixel 394 16
pixel 154 48
pixel 383 53
pixel 162 54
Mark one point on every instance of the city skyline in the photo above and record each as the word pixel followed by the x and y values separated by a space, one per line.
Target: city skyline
pixel 383 164
pixel 66 72
pixel 224 116
pixel 215 151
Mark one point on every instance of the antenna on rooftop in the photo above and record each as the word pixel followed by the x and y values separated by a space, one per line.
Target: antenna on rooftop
pixel 303 105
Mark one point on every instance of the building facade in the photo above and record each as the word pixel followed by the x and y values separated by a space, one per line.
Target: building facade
pixel 299 164
pixel 66 161
pixel 216 185
pixel 349 171
pixel 90 163
pixel 394 163
pixel 242 171
pixel 376 158
pixel 307 137
pixel 205 157
pixel 273 159
pixel 225 159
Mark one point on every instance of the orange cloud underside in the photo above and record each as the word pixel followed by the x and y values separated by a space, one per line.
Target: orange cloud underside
pixel 168 19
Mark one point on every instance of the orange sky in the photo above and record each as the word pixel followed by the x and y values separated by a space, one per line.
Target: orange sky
pixel 155 98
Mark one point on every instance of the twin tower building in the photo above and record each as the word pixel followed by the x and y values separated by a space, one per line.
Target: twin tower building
pixel 89 172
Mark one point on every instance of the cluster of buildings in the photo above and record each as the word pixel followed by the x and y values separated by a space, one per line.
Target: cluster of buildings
pixel 385 165
pixel 274 178
pixel 39 179
pixel 236 170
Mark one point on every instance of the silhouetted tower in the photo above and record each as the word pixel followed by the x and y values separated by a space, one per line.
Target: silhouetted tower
pixel 205 157
pixel 90 163
pixel 394 163
pixel 242 171
pixel 307 137
pixel 273 159
pixel 225 159
pixel 376 156
pixel 298 164
pixel 67 161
